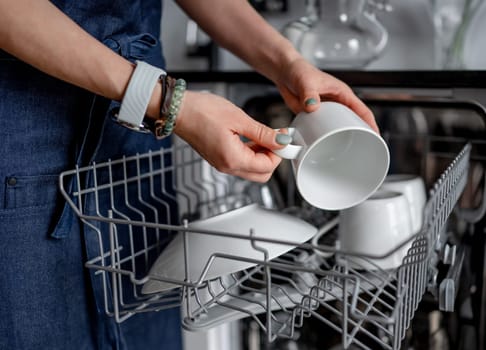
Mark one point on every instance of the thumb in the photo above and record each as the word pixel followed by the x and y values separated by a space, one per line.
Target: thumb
pixel 310 99
pixel 264 136
pixel 311 104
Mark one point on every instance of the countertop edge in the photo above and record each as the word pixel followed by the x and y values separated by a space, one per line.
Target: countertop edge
pixel 417 79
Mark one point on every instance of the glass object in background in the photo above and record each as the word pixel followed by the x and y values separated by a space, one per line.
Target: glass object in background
pixel 471 41
pixel 448 23
pixel 346 34
pixel 294 30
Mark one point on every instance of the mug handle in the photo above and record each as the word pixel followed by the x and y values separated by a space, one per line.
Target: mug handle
pixel 290 151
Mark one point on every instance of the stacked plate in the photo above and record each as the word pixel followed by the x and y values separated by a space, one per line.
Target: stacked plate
pixel 203 248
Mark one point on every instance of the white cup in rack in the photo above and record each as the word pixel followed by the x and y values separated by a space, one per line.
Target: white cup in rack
pixel 413 187
pixel 376 227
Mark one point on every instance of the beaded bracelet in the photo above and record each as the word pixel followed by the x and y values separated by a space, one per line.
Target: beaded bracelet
pixel 172 93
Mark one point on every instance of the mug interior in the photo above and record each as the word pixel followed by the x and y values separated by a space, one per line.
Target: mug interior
pixel 342 169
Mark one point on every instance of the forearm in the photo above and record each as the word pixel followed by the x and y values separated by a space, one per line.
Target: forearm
pixel 236 26
pixel 47 39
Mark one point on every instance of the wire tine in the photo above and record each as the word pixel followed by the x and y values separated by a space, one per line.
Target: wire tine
pixel 167 197
pixel 149 207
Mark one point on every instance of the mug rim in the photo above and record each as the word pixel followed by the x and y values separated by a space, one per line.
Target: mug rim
pixel 380 195
pixel 305 152
pixel 402 177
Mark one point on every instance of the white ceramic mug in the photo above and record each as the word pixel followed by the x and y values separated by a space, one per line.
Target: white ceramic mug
pixel 338 160
pixel 376 227
pixel 413 187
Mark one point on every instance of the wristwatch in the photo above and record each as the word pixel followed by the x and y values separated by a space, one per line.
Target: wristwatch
pixel 131 113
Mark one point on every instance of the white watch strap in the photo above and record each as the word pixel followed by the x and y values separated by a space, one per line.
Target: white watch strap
pixel 138 94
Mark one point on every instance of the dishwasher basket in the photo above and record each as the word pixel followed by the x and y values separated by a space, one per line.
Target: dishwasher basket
pixel 131 207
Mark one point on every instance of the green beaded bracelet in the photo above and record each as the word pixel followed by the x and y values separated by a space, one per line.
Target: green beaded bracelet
pixel 167 121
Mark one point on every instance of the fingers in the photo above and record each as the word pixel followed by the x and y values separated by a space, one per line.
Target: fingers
pixel 337 91
pixel 310 98
pixel 262 135
pixel 306 86
pixel 253 163
pixel 255 177
pixel 347 97
pixel 258 160
pixel 290 99
pixel 365 113
pixel 261 167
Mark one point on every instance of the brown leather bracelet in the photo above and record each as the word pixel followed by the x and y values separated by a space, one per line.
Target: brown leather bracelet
pixel 166 98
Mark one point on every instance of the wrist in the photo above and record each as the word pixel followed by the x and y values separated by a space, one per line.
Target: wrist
pixel 184 111
pixel 151 101
pixel 153 108
pixel 285 56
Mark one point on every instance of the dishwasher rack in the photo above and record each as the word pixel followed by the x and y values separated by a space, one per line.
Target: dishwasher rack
pixel 132 206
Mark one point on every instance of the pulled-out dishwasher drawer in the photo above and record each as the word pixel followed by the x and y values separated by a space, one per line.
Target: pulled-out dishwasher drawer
pixel 138 200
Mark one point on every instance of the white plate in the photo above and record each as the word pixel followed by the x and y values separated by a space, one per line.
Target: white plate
pixel 474 50
pixel 266 223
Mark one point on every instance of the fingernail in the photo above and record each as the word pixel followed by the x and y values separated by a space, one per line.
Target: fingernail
pixel 310 101
pixel 283 139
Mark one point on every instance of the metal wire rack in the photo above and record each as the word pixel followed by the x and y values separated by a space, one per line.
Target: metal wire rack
pixel 132 207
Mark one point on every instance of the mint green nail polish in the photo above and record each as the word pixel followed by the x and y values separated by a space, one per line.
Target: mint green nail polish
pixel 310 101
pixel 283 139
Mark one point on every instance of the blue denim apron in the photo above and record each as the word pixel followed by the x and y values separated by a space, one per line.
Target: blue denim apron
pixel 47 298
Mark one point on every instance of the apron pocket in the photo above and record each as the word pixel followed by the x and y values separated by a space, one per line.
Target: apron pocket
pixel 30 191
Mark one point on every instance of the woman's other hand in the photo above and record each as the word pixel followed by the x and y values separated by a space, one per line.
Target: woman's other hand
pixel 303 86
pixel 214 127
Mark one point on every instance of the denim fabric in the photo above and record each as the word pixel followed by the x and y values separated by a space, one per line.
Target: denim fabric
pixel 47 298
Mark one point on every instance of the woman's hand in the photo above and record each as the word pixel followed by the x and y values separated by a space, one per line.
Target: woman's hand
pixel 213 126
pixel 303 86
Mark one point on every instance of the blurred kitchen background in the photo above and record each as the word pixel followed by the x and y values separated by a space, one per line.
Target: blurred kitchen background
pixel 421 34
pixel 377 46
